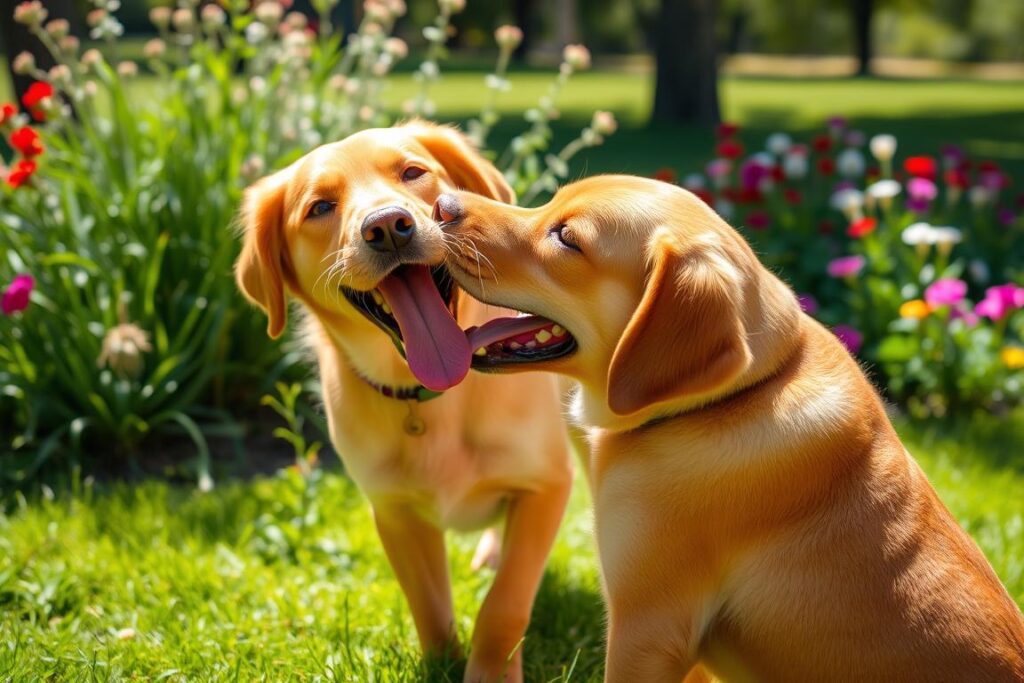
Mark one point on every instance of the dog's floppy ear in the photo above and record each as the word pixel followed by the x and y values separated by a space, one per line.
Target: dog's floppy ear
pixel 259 268
pixel 468 169
pixel 686 337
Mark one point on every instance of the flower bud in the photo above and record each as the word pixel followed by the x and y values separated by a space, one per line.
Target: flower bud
pixel 69 45
pixel 95 17
pixel 604 123
pixel 122 349
pixel 31 14
pixel 508 37
pixel 296 20
pixel 24 63
pixel 154 49
pixel 452 6
pixel 270 13
pixel 577 57
pixel 91 57
pixel 212 17
pixel 60 76
pixel 183 20
pixel 396 47
pixel 58 28
pixel 160 17
pixel 127 69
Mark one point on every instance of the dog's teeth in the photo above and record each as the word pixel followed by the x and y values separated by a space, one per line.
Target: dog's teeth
pixel 378 299
pixel 515 346
pixel 543 336
pixel 558 331
pixel 531 344
pixel 386 308
pixel 480 352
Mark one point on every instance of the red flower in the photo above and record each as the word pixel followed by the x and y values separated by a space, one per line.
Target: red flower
pixel 826 166
pixel 792 196
pixel 864 226
pixel 23 170
pixel 726 130
pixel 36 93
pixel 778 173
pixel 757 220
pixel 873 172
pixel 954 177
pixel 825 226
pixel 7 112
pixel 665 175
pixel 920 167
pixel 988 166
pixel 822 143
pixel 705 196
pixel 750 195
pixel 730 149
pixel 26 141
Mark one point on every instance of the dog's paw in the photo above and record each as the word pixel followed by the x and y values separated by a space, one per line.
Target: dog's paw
pixel 488 550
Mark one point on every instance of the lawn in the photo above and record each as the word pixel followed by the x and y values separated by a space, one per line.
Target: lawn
pixel 268 579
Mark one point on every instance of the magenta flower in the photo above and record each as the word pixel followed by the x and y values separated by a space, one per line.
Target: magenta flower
pixel 752 172
pixel 808 304
pixel 718 168
pixel 851 338
pixel 15 297
pixel 922 188
pixel 846 266
pixel 969 317
pixel 1000 301
pixel 947 292
pixel 918 205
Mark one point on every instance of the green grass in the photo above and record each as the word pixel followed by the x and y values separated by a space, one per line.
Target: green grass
pixel 230 586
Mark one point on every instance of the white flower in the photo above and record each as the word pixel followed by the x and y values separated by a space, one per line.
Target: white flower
pixel 883 189
pixel 576 56
pixel 256 33
pixel 778 143
pixel 918 234
pixel 694 181
pixel 269 13
pixel 946 235
pixel 883 147
pixel 848 200
pixel 794 166
pixel 979 196
pixel 850 163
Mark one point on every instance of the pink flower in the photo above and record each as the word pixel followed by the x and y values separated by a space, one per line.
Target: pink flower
pixel 846 266
pixel 1000 300
pixel 948 292
pixel 808 304
pixel 851 338
pixel 969 317
pixel 921 188
pixel 15 297
pixel 718 168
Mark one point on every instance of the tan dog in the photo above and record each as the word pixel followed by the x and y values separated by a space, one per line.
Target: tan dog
pixel 756 513
pixel 345 230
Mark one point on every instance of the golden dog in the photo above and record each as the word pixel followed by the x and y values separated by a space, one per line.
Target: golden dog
pixel 347 231
pixel 756 513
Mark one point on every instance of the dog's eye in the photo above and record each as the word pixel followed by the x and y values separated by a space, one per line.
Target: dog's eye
pixel 320 208
pixel 565 236
pixel 412 173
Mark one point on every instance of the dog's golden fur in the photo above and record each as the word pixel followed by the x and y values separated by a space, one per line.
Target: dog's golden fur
pixel 756 513
pixel 493 445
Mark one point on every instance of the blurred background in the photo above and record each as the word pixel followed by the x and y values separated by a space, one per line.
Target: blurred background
pixel 170 506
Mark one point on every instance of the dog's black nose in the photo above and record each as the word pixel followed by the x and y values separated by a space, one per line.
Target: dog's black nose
pixel 388 229
pixel 447 208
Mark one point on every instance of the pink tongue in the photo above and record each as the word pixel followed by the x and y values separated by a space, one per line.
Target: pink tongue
pixel 503 328
pixel 437 350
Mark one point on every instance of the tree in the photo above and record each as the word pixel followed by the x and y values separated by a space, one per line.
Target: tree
pixel 861 12
pixel 686 56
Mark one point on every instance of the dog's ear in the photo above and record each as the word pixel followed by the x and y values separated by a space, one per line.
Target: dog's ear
pixel 259 268
pixel 686 337
pixel 468 169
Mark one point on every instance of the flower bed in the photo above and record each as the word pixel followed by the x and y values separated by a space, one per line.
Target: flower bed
pixel 911 262
pixel 120 315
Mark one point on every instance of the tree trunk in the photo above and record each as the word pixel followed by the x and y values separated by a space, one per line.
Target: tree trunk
pixel 525 18
pixel 862 11
pixel 16 38
pixel 686 85
pixel 567 22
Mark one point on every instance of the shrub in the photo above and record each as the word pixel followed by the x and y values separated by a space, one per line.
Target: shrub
pixel 121 319
pixel 871 247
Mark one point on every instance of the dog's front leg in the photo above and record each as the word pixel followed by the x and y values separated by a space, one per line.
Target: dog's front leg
pixel 641 650
pixel 530 528
pixel 416 551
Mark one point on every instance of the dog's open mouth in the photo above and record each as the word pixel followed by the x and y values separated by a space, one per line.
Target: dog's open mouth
pixel 523 339
pixel 412 304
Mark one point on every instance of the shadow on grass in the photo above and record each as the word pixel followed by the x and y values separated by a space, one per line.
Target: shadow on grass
pixel 565 640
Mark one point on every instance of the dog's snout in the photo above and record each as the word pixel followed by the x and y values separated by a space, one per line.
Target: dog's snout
pixel 447 208
pixel 388 229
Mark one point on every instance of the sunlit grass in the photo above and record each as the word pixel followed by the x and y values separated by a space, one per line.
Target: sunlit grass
pixel 230 586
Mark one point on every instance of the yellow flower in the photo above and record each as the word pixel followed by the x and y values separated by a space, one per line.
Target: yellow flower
pixel 916 309
pixel 1012 357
